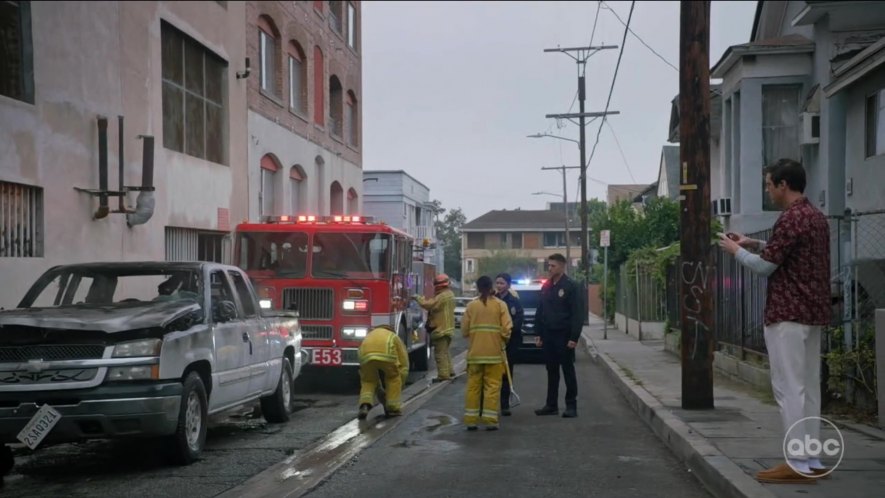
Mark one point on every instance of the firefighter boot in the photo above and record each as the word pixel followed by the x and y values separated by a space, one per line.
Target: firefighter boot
pixel 364 411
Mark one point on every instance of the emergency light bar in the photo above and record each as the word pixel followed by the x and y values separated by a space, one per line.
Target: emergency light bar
pixel 318 219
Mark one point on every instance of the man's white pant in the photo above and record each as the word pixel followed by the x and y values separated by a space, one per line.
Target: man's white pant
pixel 794 356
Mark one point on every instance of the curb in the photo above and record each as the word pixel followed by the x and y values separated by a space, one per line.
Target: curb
pixel 720 475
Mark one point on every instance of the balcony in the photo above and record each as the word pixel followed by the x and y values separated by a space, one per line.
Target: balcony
pixel 422 232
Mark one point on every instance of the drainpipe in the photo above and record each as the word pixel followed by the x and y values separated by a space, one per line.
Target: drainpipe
pixel 144 204
pixel 103 209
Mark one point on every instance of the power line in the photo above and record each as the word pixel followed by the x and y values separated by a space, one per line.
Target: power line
pixel 640 39
pixel 592 35
pixel 624 157
pixel 614 79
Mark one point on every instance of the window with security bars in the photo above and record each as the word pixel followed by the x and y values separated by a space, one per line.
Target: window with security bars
pixel 194 113
pixel 188 244
pixel 21 221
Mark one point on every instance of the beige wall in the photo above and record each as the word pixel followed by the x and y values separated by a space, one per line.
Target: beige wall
pixel 104 58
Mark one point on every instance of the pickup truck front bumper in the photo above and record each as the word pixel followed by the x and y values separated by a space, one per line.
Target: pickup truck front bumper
pixel 132 409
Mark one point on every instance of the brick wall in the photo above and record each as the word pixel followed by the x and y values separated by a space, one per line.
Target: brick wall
pixel 301 22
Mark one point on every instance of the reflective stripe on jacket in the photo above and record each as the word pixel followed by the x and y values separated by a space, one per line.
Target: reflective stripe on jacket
pixel 440 313
pixel 487 327
pixel 381 344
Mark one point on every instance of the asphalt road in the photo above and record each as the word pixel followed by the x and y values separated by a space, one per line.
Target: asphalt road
pixel 239 445
pixel 606 451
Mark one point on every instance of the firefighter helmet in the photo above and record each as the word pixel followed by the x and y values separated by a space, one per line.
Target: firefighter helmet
pixel 441 280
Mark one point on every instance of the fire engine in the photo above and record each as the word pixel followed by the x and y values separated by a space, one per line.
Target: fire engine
pixel 343 275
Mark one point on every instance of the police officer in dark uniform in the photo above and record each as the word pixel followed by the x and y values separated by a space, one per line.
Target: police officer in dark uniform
pixel 502 286
pixel 558 322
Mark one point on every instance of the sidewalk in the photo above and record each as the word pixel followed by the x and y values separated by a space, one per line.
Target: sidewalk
pixel 726 446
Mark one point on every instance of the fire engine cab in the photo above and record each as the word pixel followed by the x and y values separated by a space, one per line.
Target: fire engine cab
pixel 343 275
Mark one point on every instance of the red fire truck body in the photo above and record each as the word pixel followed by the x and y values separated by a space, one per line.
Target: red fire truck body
pixel 344 275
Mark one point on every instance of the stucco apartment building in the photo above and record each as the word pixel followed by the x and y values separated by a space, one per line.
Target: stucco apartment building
pixel 170 69
pixel 305 148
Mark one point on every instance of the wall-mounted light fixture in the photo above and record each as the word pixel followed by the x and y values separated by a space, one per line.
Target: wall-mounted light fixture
pixel 246 73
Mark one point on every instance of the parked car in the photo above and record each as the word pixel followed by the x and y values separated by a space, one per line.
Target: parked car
pixel 529 296
pixel 460 307
pixel 109 350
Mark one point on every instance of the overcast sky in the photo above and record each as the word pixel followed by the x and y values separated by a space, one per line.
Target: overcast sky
pixel 451 89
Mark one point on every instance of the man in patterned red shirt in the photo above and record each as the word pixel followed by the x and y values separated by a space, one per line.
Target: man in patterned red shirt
pixel 796 261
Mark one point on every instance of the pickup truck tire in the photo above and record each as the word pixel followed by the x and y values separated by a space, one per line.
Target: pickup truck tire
pixel 277 408
pixel 187 443
pixel 7 460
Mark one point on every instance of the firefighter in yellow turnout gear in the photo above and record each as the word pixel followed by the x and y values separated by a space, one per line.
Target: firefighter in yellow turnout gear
pixel 441 324
pixel 382 353
pixel 487 325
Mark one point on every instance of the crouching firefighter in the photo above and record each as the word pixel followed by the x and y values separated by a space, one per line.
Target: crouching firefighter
pixel 383 357
pixel 441 324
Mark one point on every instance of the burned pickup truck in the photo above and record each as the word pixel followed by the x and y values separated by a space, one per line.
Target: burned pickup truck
pixel 108 350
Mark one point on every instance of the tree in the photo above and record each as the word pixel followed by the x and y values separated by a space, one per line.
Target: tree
pixel 518 266
pixel 656 226
pixel 448 231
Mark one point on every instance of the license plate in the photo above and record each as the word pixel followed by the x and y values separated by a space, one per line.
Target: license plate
pixel 326 357
pixel 528 339
pixel 39 426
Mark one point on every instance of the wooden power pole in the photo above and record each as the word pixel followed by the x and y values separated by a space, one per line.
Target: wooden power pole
pixel 696 272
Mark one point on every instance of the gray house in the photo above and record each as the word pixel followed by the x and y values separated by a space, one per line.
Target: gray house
pixel 401 201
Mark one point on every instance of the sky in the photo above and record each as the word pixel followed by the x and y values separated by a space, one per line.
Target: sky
pixel 452 89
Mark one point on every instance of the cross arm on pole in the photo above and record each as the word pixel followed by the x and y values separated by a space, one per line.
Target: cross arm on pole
pixel 578 49
pixel 571 115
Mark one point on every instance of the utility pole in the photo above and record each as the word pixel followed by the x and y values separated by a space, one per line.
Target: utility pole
pixel 696 272
pixel 583 54
pixel 568 241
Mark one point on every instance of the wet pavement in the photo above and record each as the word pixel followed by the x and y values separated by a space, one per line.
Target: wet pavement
pixel 606 451
pixel 240 445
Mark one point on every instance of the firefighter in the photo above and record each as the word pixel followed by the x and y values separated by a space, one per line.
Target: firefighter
pixel 441 324
pixel 382 353
pixel 487 325
pixel 511 299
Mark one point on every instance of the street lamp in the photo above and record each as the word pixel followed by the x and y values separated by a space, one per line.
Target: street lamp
pixel 568 251
pixel 546 135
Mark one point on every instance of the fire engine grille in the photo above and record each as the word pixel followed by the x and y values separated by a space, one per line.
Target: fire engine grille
pixel 316 332
pixel 51 352
pixel 312 304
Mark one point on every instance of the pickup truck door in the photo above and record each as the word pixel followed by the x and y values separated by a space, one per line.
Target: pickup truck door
pixel 262 377
pixel 233 357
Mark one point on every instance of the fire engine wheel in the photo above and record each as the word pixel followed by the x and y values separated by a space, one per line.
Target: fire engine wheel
pixel 420 359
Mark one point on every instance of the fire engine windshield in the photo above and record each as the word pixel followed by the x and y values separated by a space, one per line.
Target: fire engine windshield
pixel 283 254
pixel 351 255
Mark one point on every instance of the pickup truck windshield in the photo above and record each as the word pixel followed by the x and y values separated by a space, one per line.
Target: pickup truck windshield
pixel 282 254
pixel 351 256
pixel 77 286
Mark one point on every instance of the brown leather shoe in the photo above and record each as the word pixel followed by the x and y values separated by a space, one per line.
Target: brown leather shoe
pixel 783 474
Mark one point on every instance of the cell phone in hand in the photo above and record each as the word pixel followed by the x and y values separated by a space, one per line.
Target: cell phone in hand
pixel 732 236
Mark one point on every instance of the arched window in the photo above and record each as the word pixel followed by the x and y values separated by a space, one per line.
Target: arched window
pixel 336 103
pixel 268 55
pixel 353 202
pixel 319 82
pixel 297 78
pixel 266 198
pixel 351 120
pixel 297 189
pixel 336 198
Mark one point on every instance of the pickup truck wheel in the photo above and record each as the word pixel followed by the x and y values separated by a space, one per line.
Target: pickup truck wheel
pixel 277 408
pixel 7 461
pixel 187 443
